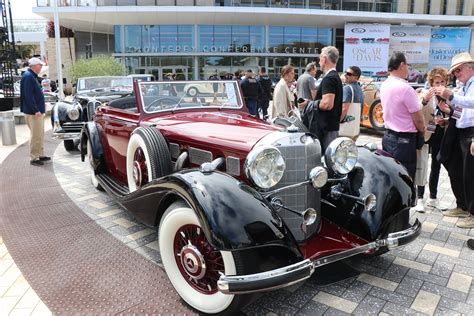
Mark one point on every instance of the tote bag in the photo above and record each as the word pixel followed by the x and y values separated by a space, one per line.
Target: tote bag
pixel 351 129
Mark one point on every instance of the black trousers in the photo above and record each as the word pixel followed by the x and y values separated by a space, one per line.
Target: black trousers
pixel 263 104
pixel 402 146
pixel 467 173
pixel 435 144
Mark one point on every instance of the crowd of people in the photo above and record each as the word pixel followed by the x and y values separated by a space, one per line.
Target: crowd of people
pixel 438 120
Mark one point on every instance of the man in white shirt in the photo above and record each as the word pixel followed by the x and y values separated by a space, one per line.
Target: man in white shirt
pixel 462 66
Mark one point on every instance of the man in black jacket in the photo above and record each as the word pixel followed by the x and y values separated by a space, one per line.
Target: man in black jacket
pixel 266 95
pixel 32 104
pixel 251 90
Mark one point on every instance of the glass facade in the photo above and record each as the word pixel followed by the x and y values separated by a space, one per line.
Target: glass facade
pixel 157 38
pixel 353 5
pixel 200 51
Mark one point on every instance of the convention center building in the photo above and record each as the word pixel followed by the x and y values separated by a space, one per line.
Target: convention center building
pixel 200 38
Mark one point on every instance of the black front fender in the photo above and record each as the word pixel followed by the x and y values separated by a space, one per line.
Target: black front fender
pixel 232 214
pixel 380 174
pixel 90 133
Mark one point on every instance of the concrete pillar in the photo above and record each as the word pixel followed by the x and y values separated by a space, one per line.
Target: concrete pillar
pixel 471 50
pixel 403 6
pixel 435 7
pixel 452 7
pixel 468 8
pixel 419 7
pixel 42 48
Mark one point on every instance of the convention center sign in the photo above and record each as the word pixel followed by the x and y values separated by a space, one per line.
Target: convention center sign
pixel 447 42
pixel 367 46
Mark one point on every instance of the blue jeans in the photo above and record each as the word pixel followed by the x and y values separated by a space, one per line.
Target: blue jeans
pixel 252 106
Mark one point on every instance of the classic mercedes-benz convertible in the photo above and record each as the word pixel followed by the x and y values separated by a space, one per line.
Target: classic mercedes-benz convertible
pixel 242 205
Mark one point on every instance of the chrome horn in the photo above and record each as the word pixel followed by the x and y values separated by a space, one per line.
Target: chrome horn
pixel 369 201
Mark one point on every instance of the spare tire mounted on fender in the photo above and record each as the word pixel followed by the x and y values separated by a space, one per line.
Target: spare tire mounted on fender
pixel 148 157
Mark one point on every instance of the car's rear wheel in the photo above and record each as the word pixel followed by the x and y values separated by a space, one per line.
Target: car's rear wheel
pixel 90 156
pixel 376 116
pixel 148 157
pixel 192 92
pixel 193 265
pixel 71 145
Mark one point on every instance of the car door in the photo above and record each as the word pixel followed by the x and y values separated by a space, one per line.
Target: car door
pixel 117 127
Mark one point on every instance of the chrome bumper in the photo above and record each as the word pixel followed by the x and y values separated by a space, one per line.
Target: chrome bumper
pixel 286 276
pixel 66 136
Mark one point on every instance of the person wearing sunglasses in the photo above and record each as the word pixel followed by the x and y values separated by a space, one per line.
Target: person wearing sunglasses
pixel 462 117
pixel 352 92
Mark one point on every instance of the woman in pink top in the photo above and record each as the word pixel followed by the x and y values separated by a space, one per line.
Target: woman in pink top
pixel 401 113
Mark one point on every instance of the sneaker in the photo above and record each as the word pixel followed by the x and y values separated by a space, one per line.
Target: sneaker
pixel 456 212
pixel 44 158
pixel 36 162
pixel 419 206
pixel 432 203
pixel 467 222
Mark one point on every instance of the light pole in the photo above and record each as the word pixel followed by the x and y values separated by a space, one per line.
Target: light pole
pixel 57 40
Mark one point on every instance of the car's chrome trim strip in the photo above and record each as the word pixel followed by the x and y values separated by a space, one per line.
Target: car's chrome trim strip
pixel 285 276
pixel 66 136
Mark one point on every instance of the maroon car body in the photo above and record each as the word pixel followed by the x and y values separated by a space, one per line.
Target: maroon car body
pixel 242 205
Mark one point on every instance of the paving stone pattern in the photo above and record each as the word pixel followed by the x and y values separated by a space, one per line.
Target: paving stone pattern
pixel 432 275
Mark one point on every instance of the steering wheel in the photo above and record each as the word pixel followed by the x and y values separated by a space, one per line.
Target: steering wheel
pixel 162 103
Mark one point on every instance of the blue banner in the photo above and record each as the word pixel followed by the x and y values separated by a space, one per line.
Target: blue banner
pixel 447 42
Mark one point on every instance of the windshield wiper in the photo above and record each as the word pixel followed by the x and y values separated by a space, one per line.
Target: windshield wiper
pixel 179 102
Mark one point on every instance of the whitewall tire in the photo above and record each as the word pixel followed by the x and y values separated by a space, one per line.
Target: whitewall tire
pixel 175 221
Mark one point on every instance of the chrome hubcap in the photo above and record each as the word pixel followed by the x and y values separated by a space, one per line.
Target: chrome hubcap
pixel 193 262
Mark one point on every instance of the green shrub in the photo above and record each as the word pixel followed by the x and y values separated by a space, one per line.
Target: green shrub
pixel 97 66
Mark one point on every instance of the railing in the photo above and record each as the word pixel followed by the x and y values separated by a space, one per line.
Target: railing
pixel 352 5
pixel 29 26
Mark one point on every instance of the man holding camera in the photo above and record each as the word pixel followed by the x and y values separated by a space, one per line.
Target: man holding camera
pixel 462 66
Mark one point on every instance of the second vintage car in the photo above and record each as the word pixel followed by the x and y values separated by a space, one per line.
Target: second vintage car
pixel 241 205
pixel 68 118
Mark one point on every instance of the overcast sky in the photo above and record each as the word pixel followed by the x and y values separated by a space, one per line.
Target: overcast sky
pixel 21 9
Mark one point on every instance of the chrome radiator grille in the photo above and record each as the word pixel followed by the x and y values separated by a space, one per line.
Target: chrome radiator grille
pixel 300 158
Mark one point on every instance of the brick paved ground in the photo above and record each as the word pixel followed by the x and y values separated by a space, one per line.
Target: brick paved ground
pixel 432 275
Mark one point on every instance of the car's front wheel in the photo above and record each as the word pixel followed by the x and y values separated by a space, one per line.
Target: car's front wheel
pixel 193 265
pixel 148 157
pixel 71 145
pixel 192 92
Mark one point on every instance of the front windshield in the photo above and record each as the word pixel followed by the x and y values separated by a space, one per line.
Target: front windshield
pixel 172 95
pixel 104 83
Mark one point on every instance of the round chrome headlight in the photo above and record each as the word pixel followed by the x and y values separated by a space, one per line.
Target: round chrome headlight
pixel 73 114
pixel 341 155
pixel 264 166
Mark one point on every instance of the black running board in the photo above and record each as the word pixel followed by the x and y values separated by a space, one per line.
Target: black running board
pixel 113 187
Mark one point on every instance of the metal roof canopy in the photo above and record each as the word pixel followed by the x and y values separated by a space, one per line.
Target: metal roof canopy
pixel 102 19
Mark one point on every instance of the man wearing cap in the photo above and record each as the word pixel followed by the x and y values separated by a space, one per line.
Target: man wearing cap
pixel 32 104
pixel 462 66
